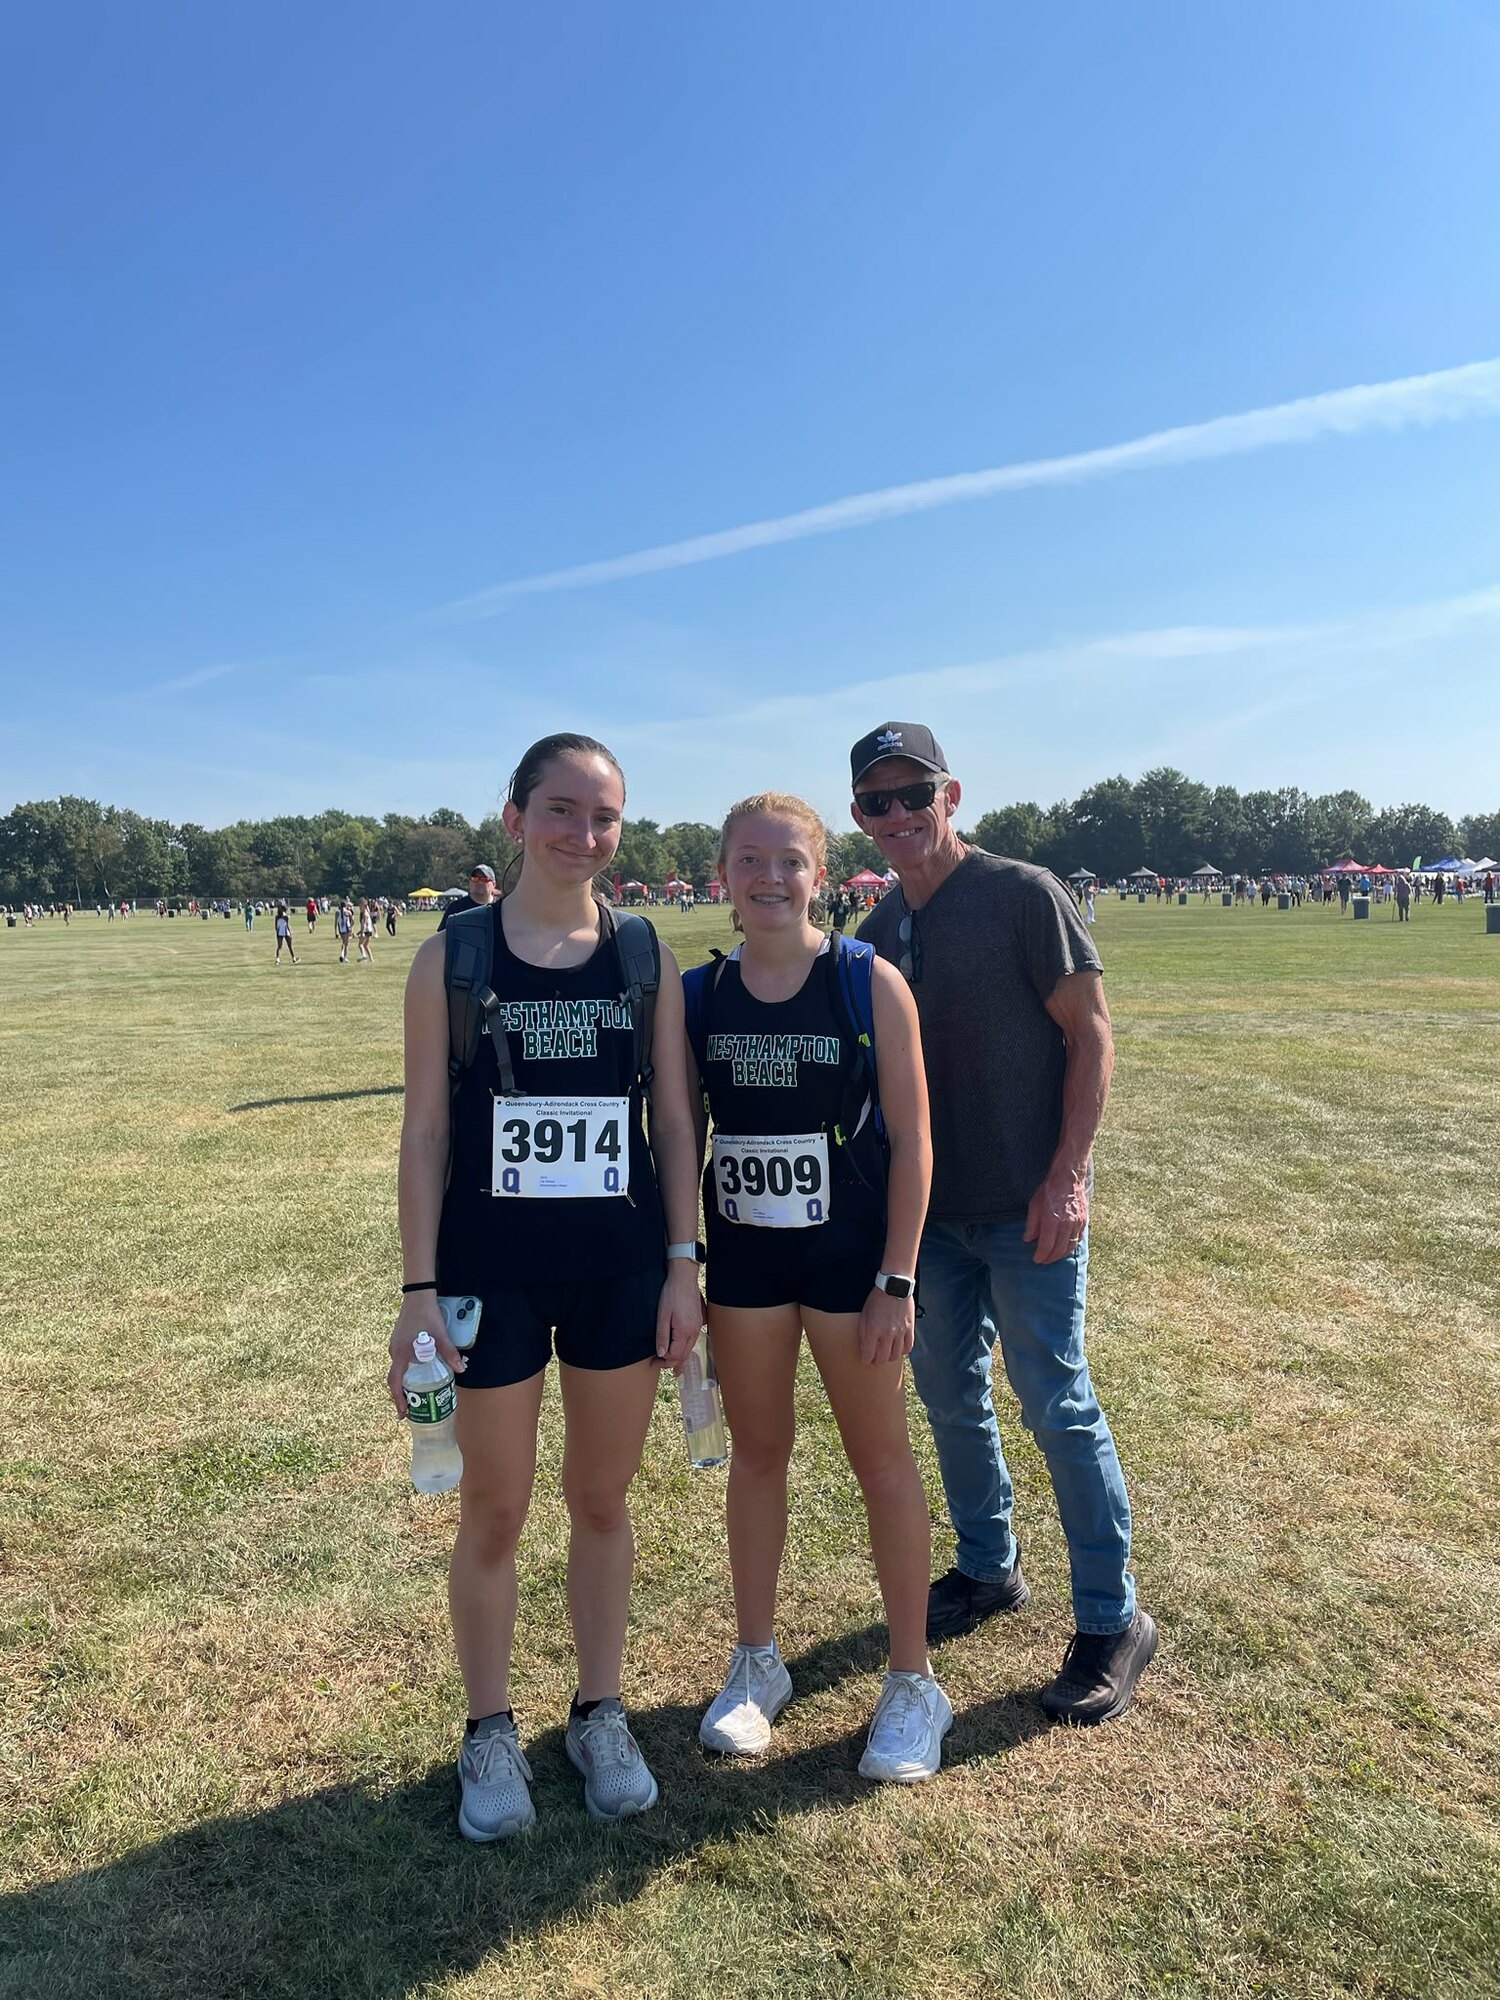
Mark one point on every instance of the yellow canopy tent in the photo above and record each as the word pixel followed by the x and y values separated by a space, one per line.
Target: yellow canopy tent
pixel 412 894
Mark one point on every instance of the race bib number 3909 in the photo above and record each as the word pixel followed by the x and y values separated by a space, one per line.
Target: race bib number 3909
pixel 779 1183
pixel 561 1148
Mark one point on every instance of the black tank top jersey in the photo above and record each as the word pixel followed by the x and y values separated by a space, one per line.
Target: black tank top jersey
pixel 773 1068
pixel 570 1034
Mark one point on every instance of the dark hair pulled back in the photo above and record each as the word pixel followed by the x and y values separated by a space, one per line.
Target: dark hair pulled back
pixel 528 775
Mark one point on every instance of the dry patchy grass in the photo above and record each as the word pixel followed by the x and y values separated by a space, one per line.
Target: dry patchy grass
pixel 229 1705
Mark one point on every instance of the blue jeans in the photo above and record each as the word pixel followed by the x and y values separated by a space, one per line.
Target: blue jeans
pixel 977 1283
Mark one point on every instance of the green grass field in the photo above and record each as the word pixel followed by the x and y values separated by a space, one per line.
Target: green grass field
pixel 230 1708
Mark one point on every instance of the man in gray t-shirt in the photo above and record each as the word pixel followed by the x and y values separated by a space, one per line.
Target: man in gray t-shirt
pixel 1016 1042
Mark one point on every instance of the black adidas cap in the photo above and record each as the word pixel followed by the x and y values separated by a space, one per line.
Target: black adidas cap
pixel 912 740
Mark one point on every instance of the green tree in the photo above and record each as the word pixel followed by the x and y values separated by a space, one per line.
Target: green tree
pixel 1225 831
pixel 494 845
pixel 1019 831
pixel 34 851
pixel 342 862
pixel 642 855
pixel 213 863
pixel 1479 835
pixel 1106 825
pixel 1339 824
pixel 692 848
pixel 849 852
pixel 150 859
pixel 1400 833
pixel 453 822
pixel 1173 810
pixel 278 853
pixel 89 849
pixel 1281 830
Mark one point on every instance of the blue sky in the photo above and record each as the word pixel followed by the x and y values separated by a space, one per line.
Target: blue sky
pixel 323 330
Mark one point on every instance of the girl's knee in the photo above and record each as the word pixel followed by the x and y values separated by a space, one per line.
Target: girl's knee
pixel 886 1476
pixel 597 1510
pixel 491 1528
pixel 764 1457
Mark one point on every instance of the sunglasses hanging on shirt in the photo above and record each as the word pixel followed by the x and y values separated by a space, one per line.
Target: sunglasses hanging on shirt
pixel 910 939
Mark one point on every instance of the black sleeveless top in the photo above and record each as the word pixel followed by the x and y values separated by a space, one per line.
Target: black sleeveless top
pixel 773 1068
pixel 570 1034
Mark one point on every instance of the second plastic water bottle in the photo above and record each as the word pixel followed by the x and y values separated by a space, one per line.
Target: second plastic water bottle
pixel 431 1401
pixel 702 1410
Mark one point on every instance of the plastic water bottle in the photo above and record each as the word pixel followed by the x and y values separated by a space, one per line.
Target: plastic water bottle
pixel 702 1409
pixel 431 1400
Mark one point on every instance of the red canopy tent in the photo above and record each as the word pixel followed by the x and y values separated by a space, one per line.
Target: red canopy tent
pixel 1348 868
pixel 865 879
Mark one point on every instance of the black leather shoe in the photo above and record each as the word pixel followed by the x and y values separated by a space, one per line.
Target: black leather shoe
pixel 957 1603
pixel 1099 1673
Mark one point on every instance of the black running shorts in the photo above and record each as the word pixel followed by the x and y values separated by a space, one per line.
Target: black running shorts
pixel 782 1267
pixel 597 1323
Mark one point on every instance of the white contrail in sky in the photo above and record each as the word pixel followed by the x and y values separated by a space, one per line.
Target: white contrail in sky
pixel 181 682
pixel 1443 397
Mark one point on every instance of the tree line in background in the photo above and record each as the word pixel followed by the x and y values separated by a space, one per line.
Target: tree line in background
pixel 79 851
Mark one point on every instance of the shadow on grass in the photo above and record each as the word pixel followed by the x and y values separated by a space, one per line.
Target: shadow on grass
pixel 355 1890
pixel 321 1097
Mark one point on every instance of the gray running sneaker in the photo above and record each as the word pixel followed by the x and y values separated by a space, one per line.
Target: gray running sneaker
pixel 616 1782
pixel 493 1777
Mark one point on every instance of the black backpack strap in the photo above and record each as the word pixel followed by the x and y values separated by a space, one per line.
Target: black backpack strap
pixel 639 955
pixel 469 956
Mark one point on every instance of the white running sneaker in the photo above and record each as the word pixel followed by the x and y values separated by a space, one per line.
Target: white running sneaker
pixel 911 1718
pixel 756 1689
pixel 492 1782
pixel 616 1781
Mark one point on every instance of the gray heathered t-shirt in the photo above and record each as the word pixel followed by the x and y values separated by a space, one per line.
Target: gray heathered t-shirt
pixel 994 940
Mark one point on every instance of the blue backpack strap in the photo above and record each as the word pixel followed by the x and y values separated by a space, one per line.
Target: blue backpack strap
pixel 854 982
pixel 693 981
pixel 698 985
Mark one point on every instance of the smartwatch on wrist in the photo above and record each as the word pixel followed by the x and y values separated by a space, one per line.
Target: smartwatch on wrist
pixel 695 1253
pixel 894 1285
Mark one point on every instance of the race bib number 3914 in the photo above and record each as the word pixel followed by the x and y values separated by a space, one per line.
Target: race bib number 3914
pixel 779 1183
pixel 561 1148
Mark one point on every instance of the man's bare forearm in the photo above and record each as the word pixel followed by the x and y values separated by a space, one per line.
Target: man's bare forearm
pixel 1090 1063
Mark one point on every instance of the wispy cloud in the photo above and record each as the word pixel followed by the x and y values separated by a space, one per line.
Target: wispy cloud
pixel 1444 397
pixel 197 678
pixel 1042 721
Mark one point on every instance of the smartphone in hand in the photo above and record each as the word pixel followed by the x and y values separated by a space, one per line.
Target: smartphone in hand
pixel 461 1317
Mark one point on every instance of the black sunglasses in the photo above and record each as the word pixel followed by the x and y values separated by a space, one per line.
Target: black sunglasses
pixel 910 939
pixel 875 805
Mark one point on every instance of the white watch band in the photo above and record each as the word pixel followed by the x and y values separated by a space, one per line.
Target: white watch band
pixel 688 1250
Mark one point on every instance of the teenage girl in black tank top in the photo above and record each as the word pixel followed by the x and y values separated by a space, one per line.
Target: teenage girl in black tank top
pixel 579 1257
pixel 781 1067
pixel 795 1246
